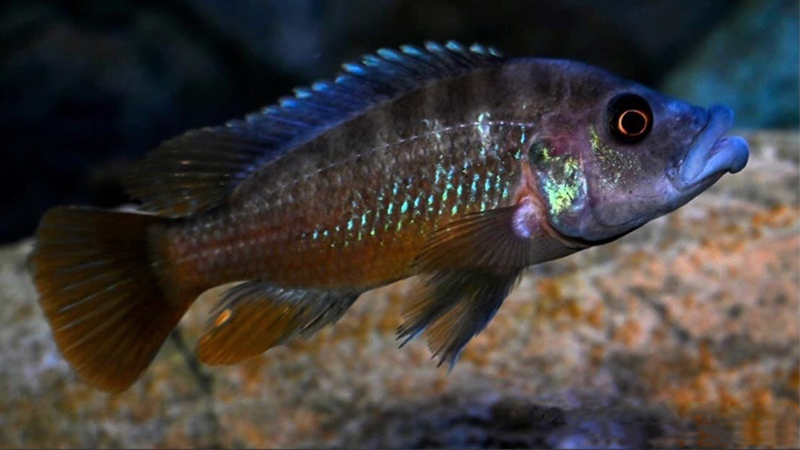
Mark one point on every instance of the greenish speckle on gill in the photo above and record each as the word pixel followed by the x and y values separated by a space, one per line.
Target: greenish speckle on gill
pixel 563 183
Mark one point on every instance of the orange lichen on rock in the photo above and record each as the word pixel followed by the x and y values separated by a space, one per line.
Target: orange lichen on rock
pixel 780 216
pixel 629 333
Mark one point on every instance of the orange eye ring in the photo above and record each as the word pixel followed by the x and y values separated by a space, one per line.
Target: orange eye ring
pixel 630 118
pixel 633 122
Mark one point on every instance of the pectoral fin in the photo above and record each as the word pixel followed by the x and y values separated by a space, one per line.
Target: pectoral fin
pixel 254 316
pixel 497 239
pixel 470 265
pixel 456 306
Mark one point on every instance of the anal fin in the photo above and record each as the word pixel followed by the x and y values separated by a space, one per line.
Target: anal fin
pixel 254 316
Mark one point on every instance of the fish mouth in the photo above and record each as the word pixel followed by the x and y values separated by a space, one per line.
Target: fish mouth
pixel 712 154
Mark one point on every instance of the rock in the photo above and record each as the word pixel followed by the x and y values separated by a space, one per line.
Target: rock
pixel 683 333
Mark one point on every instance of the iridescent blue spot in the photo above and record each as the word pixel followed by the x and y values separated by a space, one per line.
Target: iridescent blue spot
pixel 387 53
pixel 353 68
pixel 434 47
pixel 411 50
pixel 288 102
pixel 302 93
pixel 474 188
pixel 477 48
pixel 372 60
pixel 456 47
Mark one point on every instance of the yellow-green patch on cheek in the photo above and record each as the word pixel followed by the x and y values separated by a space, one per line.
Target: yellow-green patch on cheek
pixel 615 167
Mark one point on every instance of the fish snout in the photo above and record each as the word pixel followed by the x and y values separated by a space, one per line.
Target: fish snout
pixel 712 153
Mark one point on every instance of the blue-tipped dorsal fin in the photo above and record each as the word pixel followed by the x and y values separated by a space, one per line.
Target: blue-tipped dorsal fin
pixel 198 170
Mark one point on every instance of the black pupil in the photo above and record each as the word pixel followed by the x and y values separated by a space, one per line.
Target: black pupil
pixel 630 118
pixel 633 122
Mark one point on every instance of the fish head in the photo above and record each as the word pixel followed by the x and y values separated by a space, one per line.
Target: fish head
pixel 629 156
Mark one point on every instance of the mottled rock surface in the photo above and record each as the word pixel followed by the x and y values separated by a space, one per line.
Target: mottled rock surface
pixel 685 332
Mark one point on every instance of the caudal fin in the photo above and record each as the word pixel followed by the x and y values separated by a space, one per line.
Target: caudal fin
pixel 99 288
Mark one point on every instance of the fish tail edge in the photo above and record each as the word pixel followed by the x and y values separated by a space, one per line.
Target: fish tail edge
pixel 98 274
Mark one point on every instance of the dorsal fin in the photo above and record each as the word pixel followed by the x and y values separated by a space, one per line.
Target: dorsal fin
pixel 198 170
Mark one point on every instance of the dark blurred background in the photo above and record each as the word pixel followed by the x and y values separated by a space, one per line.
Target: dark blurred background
pixel 87 86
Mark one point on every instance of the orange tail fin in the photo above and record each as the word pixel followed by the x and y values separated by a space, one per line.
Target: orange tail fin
pixel 99 288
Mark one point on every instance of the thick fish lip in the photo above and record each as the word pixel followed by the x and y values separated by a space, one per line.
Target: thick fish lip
pixel 712 154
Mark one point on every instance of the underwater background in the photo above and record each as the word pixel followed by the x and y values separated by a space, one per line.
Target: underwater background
pixel 684 333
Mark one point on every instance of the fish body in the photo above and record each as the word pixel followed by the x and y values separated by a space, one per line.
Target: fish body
pixel 355 205
pixel 451 163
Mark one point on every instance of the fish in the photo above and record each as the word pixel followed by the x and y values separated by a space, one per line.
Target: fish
pixel 455 164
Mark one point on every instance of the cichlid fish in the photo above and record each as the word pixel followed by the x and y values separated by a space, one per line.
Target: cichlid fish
pixel 448 162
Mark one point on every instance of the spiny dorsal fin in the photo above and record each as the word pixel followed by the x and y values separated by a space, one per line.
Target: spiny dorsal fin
pixel 198 170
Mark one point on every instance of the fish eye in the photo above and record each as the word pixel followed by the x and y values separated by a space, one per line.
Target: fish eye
pixel 629 118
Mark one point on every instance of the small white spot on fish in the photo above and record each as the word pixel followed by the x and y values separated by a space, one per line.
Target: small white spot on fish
pixel 522 219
